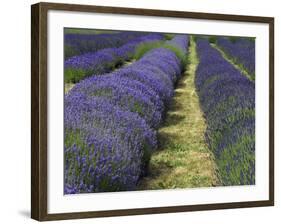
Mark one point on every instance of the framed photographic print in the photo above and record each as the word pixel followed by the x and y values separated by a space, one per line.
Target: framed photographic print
pixel 139 111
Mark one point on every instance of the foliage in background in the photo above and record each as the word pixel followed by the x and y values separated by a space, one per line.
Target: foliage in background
pixel 169 36
pixel 212 39
pixel 88 31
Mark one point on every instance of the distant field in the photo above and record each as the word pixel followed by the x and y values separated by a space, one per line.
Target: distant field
pixel 86 31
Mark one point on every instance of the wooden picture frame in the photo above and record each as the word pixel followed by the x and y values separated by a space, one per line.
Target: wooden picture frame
pixel 39 109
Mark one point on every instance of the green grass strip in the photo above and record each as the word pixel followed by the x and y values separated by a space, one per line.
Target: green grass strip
pixel 183 159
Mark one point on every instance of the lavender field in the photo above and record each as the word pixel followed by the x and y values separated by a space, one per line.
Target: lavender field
pixel 150 111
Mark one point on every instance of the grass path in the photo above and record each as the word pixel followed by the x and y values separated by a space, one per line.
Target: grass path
pixel 231 61
pixel 183 159
pixel 68 86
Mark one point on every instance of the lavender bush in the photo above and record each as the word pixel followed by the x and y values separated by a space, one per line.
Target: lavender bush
pixel 227 99
pixel 241 50
pixel 105 146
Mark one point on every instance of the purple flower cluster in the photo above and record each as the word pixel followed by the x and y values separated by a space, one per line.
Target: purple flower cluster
pixel 110 122
pixel 103 61
pixel 77 44
pixel 241 50
pixel 105 146
pixel 227 99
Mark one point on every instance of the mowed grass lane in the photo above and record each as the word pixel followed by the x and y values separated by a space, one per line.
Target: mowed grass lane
pixel 183 159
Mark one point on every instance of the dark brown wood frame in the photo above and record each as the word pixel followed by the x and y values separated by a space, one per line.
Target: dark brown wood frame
pixel 39 110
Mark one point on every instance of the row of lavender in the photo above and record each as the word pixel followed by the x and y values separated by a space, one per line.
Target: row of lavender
pixel 227 99
pixel 242 50
pixel 104 60
pixel 110 121
pixel 77 44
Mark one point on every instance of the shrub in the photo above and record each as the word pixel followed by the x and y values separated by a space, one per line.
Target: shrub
pixel 212 39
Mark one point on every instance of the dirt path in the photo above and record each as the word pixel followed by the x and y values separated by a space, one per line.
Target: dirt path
pixel 231 61
pixel 183 160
